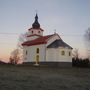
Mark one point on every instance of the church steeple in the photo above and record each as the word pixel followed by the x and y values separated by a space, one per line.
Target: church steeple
pixel 35 30
pixel 36 24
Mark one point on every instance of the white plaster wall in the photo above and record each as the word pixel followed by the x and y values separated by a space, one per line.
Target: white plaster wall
pixel 66 57
pixel 32 38
pixel 24 52
pixel 52 39
pixel 31 53
pixel 35 31
pixel 54 55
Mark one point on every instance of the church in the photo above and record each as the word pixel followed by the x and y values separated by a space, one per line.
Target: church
pixel 43 49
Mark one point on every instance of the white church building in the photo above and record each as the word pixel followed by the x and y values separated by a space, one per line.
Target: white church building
pixel 50 48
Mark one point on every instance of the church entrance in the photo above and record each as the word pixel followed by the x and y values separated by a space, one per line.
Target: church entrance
pixel 37 59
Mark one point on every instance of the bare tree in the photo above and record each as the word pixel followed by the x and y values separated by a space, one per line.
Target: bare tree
pixel 87 41
pixel 15 56
pixel 11 60
pixel 87 37
pixel 75 53
pixel 22 38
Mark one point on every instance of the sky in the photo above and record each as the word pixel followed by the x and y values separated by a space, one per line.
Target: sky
pixel 70 19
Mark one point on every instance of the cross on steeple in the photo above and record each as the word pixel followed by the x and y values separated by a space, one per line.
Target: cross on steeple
pixel 54 31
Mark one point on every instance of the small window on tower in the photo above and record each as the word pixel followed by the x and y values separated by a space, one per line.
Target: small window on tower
pixel 38 31
pixel 37 51
pixel 32 32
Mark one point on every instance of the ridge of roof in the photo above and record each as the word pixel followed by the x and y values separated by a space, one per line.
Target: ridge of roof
pixel 37 41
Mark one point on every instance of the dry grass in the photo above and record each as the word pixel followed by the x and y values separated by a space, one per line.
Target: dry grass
pixel 37 78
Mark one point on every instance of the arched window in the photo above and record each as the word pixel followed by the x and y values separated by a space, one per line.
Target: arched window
pixel 26 52
pixel 63 53
pixel 37 51
pixel 69 53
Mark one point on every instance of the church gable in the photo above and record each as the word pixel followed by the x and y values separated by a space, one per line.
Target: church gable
pixel 59 43
pixel 52 39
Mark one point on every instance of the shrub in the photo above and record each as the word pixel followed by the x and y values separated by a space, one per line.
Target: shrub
pixel 78 62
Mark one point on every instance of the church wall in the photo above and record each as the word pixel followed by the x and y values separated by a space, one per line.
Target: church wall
pixel 66 57
pixel 54 55
pixel 38 32
pixel 24 53
pixel 32 38
pixel 35 31
pixel 31 53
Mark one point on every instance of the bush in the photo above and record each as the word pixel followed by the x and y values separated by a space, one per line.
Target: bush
pixel 80 62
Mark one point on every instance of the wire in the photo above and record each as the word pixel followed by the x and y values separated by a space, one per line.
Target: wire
pixel 9 33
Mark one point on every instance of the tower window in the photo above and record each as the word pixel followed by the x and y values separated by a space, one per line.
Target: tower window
pixel 63 53
pixel 37 51
pixel 32 32
pixel 38 31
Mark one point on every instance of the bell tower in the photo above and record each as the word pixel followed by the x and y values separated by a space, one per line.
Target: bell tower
pixel 35 30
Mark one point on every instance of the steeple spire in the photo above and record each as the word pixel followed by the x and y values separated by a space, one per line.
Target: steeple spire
pixel 36 24
pixel 36 17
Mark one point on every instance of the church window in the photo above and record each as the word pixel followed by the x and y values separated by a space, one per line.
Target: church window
pixel 69 53
pixel 26 52
pixel 37 51
pixel 63 53
pixel 37 58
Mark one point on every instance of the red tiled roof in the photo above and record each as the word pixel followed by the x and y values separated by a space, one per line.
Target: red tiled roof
pixel 40 40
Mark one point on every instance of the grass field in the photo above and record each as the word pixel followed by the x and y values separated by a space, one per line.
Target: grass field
pixel 43 78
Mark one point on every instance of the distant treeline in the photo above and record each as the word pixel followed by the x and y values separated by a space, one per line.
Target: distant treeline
pixel 2 62
pixel 78 62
